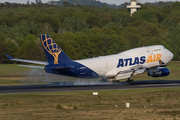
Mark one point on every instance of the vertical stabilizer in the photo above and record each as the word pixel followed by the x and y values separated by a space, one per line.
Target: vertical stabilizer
pixel 53 52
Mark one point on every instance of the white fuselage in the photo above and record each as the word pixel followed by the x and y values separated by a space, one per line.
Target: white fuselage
pixel 113 65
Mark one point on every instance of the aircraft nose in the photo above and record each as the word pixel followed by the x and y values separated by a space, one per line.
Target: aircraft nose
pixel 169 56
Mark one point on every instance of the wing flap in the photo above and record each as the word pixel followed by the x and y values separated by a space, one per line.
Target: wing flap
pixel 134 69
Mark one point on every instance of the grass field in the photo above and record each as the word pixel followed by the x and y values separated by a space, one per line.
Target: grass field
pixel 145 104
pixel 11 74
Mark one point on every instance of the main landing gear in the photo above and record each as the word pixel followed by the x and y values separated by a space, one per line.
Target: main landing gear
pixel 106 80
pixel 130 81
pixel 115 81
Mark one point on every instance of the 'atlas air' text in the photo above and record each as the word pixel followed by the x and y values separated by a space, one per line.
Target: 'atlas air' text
pixel 138 60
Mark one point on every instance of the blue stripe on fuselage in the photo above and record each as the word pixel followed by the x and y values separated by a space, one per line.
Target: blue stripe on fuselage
pixel 76 70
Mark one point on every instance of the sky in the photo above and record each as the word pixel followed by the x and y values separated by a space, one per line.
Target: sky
pixel 117 2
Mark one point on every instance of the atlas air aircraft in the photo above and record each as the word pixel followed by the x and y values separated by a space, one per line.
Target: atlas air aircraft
pixel 150 59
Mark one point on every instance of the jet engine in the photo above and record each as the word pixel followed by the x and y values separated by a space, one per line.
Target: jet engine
pixel 159 73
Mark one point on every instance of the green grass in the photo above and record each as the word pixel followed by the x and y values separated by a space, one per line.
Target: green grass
pixel 83 105
pixel 12 69
pixel 162 103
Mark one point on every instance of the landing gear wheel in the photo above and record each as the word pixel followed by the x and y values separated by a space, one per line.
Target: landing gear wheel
pixel 115 81
pixel 130 81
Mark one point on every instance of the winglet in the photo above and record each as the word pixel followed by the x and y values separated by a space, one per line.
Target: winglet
pixel 9 57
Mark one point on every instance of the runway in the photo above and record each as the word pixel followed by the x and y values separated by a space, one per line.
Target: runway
pixel 55 88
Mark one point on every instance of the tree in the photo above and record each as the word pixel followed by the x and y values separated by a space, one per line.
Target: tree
pixel 87 31
pixel 24 28
pixel 11 48
pixel 148 29
pixel 26 50
pixel 132 35
pixel 92 20
pixel 3 52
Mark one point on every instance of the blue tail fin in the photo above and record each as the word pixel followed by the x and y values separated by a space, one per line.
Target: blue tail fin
pixel 54 53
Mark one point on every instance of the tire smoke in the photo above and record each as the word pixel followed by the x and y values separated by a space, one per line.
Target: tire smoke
pixel 39 76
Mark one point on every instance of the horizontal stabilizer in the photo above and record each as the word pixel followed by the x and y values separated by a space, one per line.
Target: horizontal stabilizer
pixel 32 66
pixel 9 57
pixel 28 61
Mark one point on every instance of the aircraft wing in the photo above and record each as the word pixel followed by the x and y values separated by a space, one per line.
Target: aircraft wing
pixel 137 69
pixel 28 61
pixel 130 72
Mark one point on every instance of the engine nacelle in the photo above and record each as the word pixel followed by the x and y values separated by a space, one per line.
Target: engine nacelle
pixel 160 73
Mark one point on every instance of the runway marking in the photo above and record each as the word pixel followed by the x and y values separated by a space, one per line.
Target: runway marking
pixel 159 84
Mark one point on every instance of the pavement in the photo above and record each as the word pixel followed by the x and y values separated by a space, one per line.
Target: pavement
pixel 59 87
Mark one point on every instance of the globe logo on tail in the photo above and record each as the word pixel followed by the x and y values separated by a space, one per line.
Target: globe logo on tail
pixel 51 47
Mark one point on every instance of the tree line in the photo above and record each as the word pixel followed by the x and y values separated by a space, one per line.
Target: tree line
pixel 86 31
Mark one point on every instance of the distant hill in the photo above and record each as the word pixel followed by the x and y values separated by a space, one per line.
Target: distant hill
pixel 84 2
pixel 101 4
pixel 160 4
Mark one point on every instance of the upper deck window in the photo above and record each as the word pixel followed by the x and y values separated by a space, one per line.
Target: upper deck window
pixel 157 50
